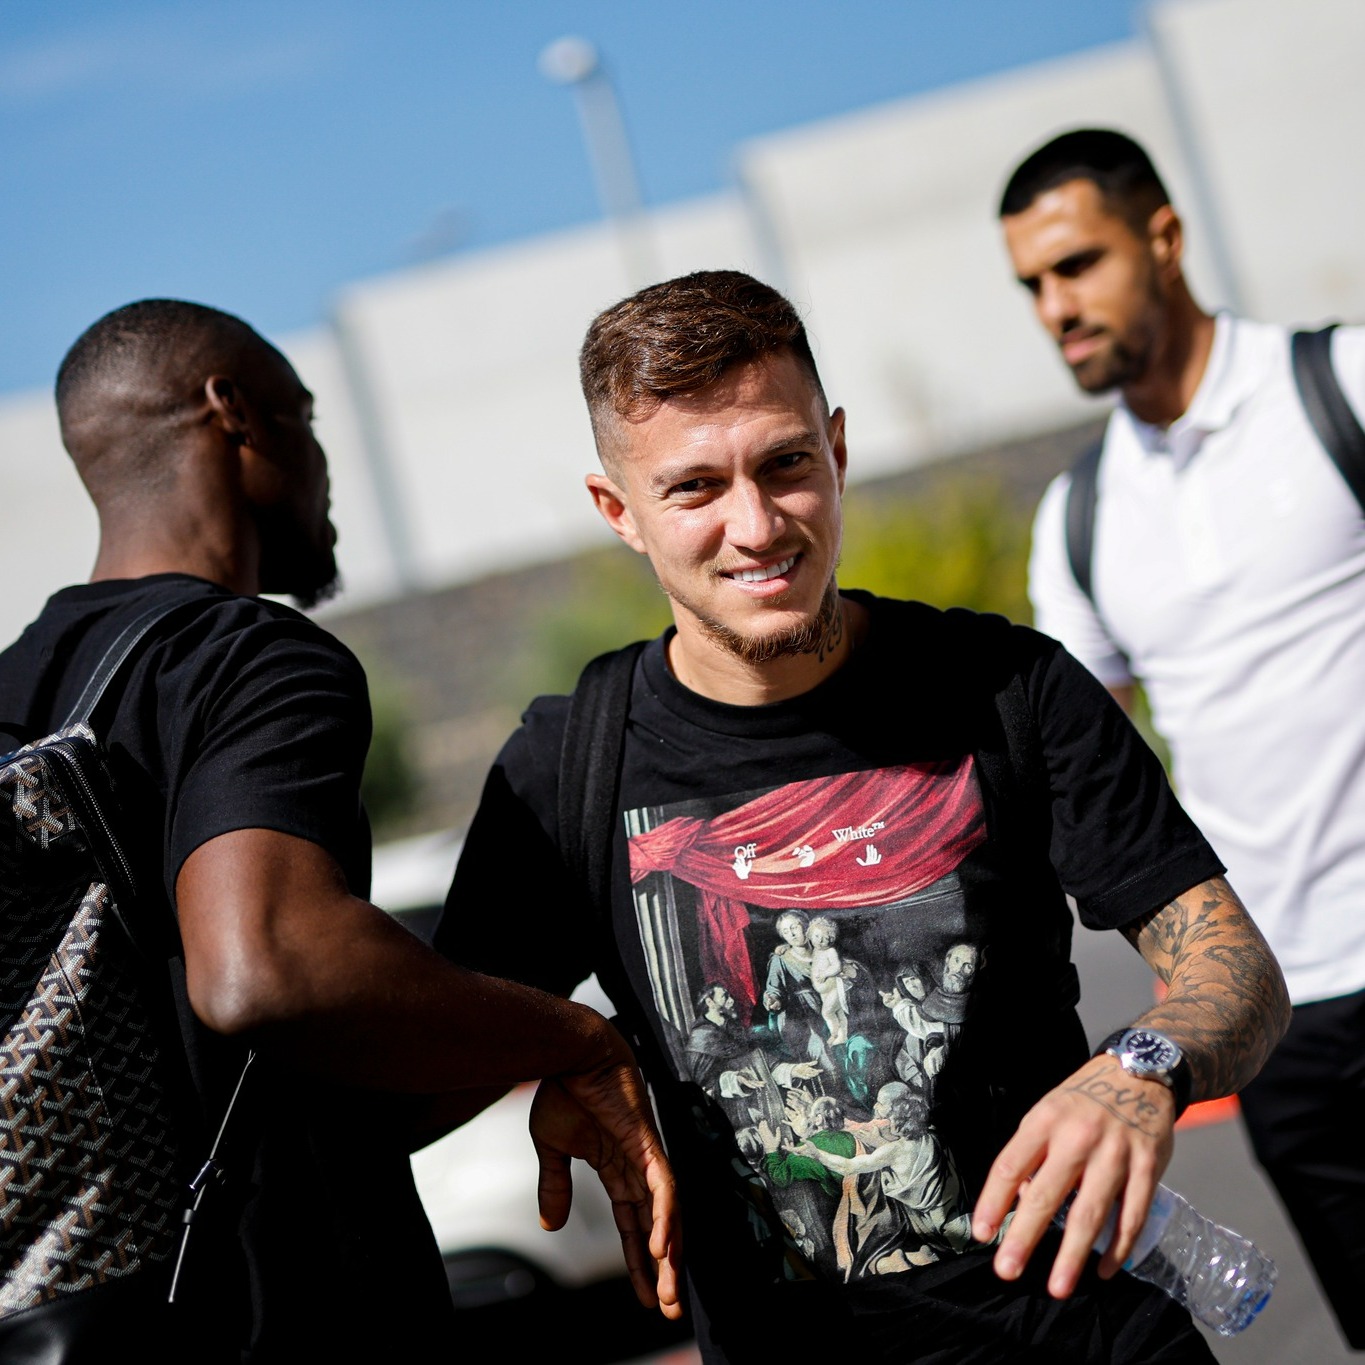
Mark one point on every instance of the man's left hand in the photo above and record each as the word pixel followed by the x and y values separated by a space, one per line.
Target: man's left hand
pixel 1102 1134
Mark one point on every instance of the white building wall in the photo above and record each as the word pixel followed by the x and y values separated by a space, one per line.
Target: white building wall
pixel 472 369
pixel 48 531
pixel 1274 101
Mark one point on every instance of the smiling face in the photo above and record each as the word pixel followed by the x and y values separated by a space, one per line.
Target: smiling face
pixel 734 493
pixel 1099 284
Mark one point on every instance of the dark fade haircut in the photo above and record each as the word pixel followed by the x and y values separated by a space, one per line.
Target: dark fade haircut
pixel 1116 165
pixel 681 336
pixel 147 337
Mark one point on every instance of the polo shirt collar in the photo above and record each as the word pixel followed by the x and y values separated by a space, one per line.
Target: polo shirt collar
pixel 1227 383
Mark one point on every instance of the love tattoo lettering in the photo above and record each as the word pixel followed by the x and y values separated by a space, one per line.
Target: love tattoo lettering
pixel 1126 1102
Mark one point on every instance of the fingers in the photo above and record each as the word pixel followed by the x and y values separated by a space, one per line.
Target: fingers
pixel 663 1242
pixel 554 1188
pixel 1008 1174
pixel 603 1121
pixel 1079 1138
pixel 1135 1205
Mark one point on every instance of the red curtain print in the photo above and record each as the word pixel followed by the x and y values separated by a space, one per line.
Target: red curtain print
pixel 867 838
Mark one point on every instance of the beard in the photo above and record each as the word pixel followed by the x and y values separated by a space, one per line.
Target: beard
pixel 1122 364
pixel 295 563
pixel 1129 356
pixel 817 635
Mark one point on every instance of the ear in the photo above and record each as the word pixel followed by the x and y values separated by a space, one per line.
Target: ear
pixel 227 404
pixel 259 477
pixel 611 503
pixel 1166 239
pixel 838 444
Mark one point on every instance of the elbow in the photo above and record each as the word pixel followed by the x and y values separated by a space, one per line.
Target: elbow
pixel 239 1000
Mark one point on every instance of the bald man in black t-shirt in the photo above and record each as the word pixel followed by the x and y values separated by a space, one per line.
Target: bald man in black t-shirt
pixel 237 743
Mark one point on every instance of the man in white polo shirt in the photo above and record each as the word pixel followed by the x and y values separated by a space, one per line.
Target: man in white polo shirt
pixel 1226 568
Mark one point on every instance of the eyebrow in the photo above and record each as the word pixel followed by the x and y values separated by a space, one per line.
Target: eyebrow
pixel 695 469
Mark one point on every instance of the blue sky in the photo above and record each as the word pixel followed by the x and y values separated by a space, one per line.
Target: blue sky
pixel 258 155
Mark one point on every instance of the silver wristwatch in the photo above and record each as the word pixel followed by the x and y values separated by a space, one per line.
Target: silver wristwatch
pixel 1152 1056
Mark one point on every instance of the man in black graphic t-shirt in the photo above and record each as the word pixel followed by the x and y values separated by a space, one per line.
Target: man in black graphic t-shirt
pixel 853 823
pixel 237 743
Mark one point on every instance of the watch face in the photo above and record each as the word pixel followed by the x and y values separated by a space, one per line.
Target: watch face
pixel 1151 1051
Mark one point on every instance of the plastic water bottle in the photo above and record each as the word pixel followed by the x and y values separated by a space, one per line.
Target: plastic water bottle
pixel 1223 1278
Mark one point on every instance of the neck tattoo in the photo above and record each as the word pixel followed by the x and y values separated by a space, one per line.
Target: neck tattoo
pixel 831 624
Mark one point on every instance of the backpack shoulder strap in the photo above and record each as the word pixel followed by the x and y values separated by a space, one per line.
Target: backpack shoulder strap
pixel 590 768
pixel 1325 405
pixel 589 787
pixel 1081 498
pixel 115 657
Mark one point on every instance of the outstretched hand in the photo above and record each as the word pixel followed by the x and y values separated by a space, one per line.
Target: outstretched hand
pixel 1103 1134
pixel 603 1117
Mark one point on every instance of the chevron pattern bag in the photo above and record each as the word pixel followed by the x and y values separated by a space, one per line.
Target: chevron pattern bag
pixel 90 1187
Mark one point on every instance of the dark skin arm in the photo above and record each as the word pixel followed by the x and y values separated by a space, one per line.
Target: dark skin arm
pixel 1107 1135
pixel 279 953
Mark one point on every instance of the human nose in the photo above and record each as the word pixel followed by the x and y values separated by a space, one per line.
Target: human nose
pixel 753 521
pixel 1056 304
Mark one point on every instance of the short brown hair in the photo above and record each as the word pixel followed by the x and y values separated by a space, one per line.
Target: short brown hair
pixel 679 337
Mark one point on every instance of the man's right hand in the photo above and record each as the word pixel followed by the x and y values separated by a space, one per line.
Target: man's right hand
pixel 603 1117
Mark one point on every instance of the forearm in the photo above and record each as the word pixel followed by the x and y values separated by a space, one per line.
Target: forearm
pixel 284 956
pixel 1225 1002
pixel 1105 1135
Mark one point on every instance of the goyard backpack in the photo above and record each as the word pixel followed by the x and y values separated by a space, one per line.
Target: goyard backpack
pixel 92 1187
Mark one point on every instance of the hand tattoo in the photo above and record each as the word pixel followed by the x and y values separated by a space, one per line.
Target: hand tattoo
pixel 1127 1102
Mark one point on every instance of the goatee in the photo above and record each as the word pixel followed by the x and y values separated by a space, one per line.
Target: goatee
pixel 818 635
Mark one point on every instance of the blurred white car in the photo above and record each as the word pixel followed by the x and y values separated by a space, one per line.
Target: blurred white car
pixel 478 1183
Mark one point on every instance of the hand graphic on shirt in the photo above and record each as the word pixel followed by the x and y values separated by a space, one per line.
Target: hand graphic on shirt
pixel 871 858
pixel 743 866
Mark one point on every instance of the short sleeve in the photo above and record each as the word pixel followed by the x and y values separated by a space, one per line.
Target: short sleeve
pixel 513 910
pixel 1122 845
pixel 1060 608
pixel 273 736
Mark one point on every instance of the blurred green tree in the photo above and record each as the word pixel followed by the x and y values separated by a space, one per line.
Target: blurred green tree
pixel 389 785
pixel 962 542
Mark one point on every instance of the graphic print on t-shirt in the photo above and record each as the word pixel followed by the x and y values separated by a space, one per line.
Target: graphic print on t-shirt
pixel 812 953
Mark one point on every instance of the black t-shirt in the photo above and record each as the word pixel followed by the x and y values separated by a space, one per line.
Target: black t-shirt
pixel 235 714
pixel 842 919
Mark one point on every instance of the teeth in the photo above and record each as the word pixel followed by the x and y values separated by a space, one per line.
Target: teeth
pixel 762 575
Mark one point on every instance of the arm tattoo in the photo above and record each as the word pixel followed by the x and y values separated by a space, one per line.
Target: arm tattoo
pixel 1225 1001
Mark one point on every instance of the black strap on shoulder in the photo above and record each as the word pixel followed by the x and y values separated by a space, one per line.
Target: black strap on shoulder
pixel 1081 499
pixel 589 786
pixel 115 657
pixel 1336 425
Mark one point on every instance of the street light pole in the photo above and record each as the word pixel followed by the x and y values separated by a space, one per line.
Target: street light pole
pixel 575 62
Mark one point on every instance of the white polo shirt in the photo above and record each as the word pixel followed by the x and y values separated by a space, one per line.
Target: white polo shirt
pixel 1229 573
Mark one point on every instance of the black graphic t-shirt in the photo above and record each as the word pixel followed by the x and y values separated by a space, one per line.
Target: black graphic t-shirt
pixel 843 925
